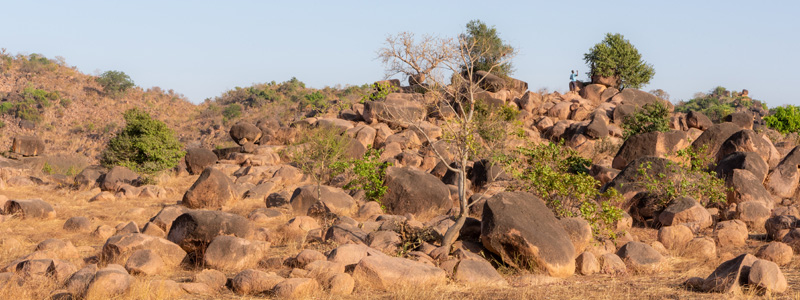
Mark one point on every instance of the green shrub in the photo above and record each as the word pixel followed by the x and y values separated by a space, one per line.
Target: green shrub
pixel 617 57
pixel 115 83
pixel 558 175
pixel 47 168
pixel 35 64
pixel 378 90
pixel 689 179
pixel 785 119
pixel 231 112
pixel 39 97
pixel 652 117
pixel 65 102
pixel 6 107
pixel 144 145
pixel 368 174
pixel 717 103
pixel 315 101
pixel 508 113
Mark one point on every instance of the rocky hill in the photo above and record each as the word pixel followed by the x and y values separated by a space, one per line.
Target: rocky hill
pixel 280 195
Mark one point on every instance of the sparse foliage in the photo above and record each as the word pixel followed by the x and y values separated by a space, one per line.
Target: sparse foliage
pixel 461 131
pixel 689 179
pixel 404 54
pixel 558 175
pixel 368 174
pixel 144 145
pixel 318 153
pixel 616 57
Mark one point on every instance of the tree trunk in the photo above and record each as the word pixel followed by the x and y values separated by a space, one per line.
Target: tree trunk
pixel 452 233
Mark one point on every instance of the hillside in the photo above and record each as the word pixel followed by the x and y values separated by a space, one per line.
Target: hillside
pixel 474 189
pixel 69 109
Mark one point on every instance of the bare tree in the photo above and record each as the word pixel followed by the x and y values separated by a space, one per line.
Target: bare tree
pixel 403 54
pixel 459 95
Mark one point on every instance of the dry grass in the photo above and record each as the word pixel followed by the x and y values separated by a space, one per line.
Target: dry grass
pixel 20 236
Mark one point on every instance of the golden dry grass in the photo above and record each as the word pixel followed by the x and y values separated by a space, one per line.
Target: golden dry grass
pixel 20 236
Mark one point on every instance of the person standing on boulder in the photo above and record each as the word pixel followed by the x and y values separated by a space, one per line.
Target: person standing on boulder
pixel 573 78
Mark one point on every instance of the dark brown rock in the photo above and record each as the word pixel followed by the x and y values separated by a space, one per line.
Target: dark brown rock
pixel 242 133
pixel 416 192
pixel 117 177
pixel 30 208
pixel 27 145
pixel 323 200
pixel 194 230
pixel 197 159
pixel 698 120
pixel 730 275
pixel 525 233
pixel 232 253
pixel 213 189
pixel 640 257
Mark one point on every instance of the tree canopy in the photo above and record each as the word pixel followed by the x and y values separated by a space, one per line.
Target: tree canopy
pixel 115 83
pixel 488 49
pixel 617 58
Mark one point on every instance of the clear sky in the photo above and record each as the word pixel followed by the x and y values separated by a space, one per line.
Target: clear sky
pixel 203 48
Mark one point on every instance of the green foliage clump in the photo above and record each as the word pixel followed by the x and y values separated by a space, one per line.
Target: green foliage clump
pixel 785 119
pixel 6 107
pixel 485 44
pixel 231 112
pixel 378 90
pixel 689 178
pixel 30 104
pixel 115 83
pixel 652 117
pixel 368 174
pixel 558 175
pixel 47 168
pixel 617 57
pixel 35 64
pixel 144 145
pixel 717 104
pixel 315 101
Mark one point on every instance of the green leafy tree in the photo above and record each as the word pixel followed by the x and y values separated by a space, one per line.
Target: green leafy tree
pixel 232 111
pixel 652 117
pixel 489 50
pixel 617 58
pixel 115 83
pixel 785 119
pixel 144 145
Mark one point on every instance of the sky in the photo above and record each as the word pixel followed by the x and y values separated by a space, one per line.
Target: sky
pixel 203 48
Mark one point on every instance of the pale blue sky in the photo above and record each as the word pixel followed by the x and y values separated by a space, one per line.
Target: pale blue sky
pixel 202 48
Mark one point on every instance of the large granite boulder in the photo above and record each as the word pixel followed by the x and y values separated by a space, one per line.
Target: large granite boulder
pixel 524 233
